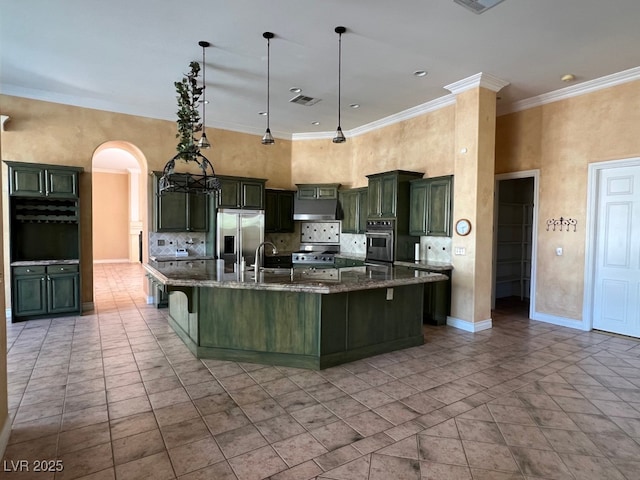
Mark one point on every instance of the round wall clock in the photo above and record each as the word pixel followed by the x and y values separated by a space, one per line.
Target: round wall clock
pixel 463 227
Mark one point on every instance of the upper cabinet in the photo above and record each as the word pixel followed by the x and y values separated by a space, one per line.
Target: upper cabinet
pixel 237 192
pixel 389 192
pixel 430 207
pixel 354 207
pixel 180 212
pixel 278 211
pixel 310 191
pixel 36 180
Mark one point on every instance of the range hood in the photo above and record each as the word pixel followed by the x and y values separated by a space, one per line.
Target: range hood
pixel 315 209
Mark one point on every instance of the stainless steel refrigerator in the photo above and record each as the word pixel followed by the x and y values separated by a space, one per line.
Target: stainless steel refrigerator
pixel 238 234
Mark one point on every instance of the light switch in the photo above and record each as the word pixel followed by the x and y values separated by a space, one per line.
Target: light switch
pixel 389 293
pixel 559 251
pixel 460 251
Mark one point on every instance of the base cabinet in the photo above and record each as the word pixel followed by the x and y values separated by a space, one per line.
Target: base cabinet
pixel 45 290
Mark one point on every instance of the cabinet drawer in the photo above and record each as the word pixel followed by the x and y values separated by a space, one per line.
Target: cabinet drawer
pixel 62 268
pixel 30 270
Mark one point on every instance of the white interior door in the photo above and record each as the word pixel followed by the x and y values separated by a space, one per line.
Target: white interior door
pixel 616 306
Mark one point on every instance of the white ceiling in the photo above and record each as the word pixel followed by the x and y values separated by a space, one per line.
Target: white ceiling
pixel 124 55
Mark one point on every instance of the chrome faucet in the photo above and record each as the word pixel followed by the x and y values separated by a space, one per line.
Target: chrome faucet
pixel 256 264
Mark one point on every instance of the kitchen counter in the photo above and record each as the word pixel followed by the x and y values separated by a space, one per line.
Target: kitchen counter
pixel 203 273
pixel 29 263
pixel 425 265
pixel 303 317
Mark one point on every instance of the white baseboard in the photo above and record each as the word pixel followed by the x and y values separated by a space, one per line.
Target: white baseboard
pixel 114 260
pixel 468 326
pixel 150 299
pixel 4 434
pixel 561 321
pixel 7 313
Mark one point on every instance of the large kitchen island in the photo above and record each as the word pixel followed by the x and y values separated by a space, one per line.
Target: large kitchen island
pixel 310 318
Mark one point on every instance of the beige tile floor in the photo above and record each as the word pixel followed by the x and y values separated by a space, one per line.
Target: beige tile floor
pixel 115 394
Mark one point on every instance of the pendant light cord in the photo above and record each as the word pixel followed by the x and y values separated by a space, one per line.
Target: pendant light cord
pixel 204 91
pixel 268 80
pixel 339 75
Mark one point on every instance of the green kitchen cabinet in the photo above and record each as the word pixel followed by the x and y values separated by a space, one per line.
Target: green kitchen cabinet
pixel 318 191
pixel 431 206
pixel 389 193
pixel 29 291
pixel 180 212
pixel 238 192
pixel 45 290
pixel 354 208
pixel 278 211
pixel 39 180
pixel 63 289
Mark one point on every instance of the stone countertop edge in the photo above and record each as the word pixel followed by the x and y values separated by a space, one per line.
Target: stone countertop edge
pixel 33 263
pixel 425 265
pixel 300 287
pixel 169 258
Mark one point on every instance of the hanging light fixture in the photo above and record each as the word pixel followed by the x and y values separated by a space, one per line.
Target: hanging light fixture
pixel 339 138
pixel 204 141
pixel 172 181
pixel 267 139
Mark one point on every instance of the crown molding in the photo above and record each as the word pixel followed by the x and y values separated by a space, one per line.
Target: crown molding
pixel 412 112
pixel 589 86
pixel 485 80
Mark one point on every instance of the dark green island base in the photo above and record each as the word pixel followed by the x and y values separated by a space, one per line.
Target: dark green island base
pixel 298 322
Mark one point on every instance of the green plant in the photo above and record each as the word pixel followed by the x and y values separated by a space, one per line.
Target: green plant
pixel 188 95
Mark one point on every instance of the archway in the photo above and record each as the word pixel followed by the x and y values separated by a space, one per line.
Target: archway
pixel 119 203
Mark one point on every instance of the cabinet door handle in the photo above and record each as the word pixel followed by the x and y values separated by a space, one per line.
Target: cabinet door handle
pixel 28 270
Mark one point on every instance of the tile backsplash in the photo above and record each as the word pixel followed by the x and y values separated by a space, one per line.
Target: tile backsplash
pixel 435 249
pixel 353 244
pixel 164 244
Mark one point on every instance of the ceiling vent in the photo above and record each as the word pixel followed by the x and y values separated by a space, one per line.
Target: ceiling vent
pixel 304 100
pixel 478 6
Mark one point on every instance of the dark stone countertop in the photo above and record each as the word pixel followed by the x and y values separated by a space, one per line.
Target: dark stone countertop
pixel 204 273
pixel 33 263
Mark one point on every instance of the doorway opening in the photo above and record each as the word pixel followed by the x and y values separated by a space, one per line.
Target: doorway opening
pixel 119 203
pixel 514 248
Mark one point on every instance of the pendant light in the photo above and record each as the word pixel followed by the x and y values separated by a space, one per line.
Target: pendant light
pixel 339 138
pixel 267 139
pixel 204 141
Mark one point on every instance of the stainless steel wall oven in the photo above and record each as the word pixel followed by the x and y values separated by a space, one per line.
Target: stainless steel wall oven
pixel 380 235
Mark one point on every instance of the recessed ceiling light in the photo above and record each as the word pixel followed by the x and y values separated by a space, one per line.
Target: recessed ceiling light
pixel 420 73
pixel 315 123
pixel 569 77
pixel 295 89
pixel 264 114
pixel 355 105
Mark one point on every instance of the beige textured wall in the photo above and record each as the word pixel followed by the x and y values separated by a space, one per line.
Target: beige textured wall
pixel 110 216
pixel 473 199
pixel 44 132
pixel 4 401
pixel 421 144
pixel 561 139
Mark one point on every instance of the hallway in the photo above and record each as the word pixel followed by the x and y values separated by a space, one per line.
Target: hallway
pixel 116 394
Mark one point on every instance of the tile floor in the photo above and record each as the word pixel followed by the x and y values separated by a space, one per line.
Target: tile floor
pixel 115 394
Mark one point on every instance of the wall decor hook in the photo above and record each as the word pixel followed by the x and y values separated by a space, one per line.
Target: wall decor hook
pixel 561 223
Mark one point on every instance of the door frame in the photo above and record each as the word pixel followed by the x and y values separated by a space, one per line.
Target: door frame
pixel 535 174
pixel 593 194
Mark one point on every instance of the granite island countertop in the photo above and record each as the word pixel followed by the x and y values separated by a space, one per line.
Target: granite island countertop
pixel 204 273
pixel 426 265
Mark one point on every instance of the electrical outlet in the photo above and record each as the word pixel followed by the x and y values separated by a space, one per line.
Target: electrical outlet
pixel 161 243
pixel 559 251
pixel 389 293
pixel 460 251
